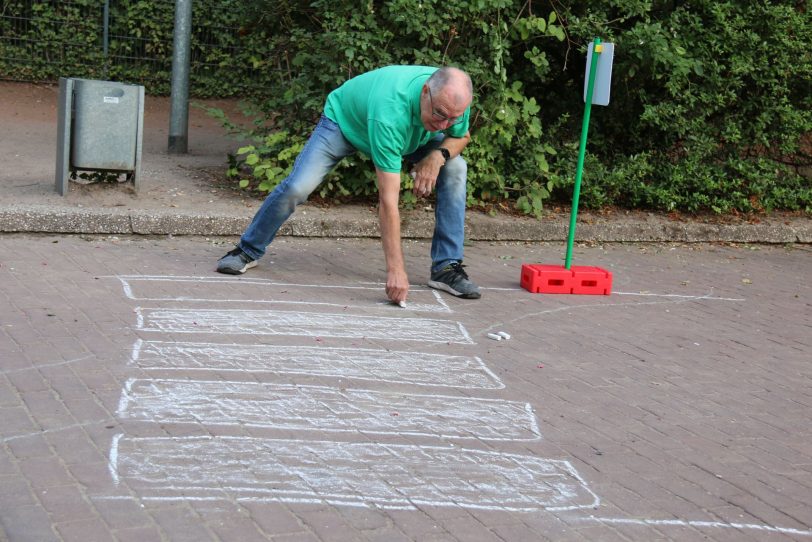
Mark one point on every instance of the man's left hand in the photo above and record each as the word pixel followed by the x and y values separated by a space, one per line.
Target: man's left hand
pixel 425 173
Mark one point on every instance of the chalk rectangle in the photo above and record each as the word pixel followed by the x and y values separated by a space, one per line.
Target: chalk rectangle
pixel 258 291
pixel 357 363
pixel 319 408
pixel 344 473
pixel 302 324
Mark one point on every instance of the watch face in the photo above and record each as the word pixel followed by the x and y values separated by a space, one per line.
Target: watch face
pixel 445 153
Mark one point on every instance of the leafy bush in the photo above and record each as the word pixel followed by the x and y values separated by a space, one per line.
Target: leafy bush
pixel 710 98
pixel 498 42
pixel 41 41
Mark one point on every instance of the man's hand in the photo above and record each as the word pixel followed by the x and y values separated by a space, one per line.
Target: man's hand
pixel 397 285
pixel 425 173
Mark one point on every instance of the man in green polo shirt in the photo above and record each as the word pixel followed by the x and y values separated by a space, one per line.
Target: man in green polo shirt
pixel 416 113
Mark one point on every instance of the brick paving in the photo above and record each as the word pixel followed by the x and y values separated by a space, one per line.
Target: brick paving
pixel 677 408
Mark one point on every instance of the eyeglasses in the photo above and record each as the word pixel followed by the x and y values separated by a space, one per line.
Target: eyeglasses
pixel 439 116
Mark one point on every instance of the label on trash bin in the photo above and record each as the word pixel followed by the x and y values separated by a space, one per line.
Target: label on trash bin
pixel 110 100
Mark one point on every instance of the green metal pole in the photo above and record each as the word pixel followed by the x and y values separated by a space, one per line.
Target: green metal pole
pixel 576 194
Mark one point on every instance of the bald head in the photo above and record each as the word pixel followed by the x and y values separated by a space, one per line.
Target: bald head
pixel 454 83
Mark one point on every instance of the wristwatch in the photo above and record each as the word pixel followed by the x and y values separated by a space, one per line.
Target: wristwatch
pixel 445 153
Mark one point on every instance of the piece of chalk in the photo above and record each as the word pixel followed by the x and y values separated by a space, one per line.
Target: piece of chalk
pixel 402 304
pixel 494 336
pixel 504 335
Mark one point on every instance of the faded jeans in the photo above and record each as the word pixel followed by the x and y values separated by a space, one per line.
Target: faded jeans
pixel 325 148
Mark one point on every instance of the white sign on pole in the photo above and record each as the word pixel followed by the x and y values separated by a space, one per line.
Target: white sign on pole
pixel 603 75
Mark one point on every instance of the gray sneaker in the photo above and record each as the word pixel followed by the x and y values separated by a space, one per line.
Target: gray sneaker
pixel 235 262
pixel 454 280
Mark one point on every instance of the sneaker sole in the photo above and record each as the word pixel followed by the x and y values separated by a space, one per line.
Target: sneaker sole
pixel 446 288
pixel 231 271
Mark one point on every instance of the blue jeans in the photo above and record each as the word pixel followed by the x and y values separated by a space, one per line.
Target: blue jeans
pixel 325 148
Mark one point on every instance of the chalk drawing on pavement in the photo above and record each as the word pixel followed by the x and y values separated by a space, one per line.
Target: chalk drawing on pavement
pixel 243 290
pixel 303 324
pixel 246 469
pixel 320 408
pixel 347 473
pixel 358 363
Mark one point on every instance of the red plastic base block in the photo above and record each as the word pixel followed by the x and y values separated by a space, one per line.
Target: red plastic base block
pixel 557 279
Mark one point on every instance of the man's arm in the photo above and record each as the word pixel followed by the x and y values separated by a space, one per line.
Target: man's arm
pixel 397 283
pixel 427 169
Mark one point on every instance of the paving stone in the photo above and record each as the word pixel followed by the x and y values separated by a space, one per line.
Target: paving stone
pixel 138 534
pixel 65 503
pixel 29 522
pixel 683 396
pixel 90 530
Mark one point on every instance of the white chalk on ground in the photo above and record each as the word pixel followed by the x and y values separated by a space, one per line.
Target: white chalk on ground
pixel 495 336
pixel 504 335
pixel 402 304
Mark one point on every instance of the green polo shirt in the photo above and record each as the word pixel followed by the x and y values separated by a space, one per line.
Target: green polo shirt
pixel 379 114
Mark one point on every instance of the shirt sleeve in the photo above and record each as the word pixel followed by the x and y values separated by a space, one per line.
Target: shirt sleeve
pixel 385 144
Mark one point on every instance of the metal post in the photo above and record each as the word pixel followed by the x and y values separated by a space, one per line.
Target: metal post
pixel 106 35
pixel 582 151
pixel 179 102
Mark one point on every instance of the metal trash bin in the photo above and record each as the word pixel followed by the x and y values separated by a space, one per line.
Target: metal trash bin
pixel 100 127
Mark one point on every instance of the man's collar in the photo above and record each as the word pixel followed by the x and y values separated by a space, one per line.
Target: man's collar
pixel 415 117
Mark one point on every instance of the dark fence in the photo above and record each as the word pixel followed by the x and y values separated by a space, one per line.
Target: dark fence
pixel 127 41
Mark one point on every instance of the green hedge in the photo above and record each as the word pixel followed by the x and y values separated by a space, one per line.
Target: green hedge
pixel 710 105
pixel 710 99
pixel 45 40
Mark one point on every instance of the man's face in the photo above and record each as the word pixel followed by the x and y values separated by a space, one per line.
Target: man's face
pixel 439 111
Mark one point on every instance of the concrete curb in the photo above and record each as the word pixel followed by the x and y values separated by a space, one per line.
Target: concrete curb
pixel 351 221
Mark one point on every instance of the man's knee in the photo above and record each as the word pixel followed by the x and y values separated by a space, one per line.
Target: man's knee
pixel 299 194
pixel 456 169
pixel 293 191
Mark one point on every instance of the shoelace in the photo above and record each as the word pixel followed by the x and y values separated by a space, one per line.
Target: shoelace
pixel 239 252
pixel 458 268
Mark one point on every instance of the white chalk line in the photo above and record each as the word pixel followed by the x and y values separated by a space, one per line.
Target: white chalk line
pixel 291 323
pixel 417 307
pixel 438 305
pixel 46 365
pixel 697 297
pixel 112 463
pixel 54 430
pixel 248 280
pixel 321 408
pixel 123 278
pixel 707 296
pixel 697 524
pixel 371 474
pixel 402 367
pixel 261 282
pixel 680 300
